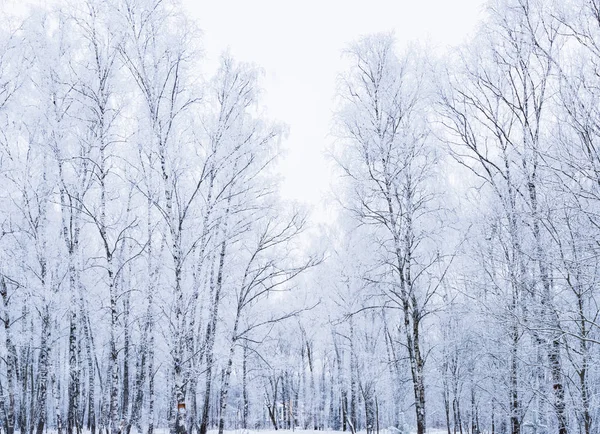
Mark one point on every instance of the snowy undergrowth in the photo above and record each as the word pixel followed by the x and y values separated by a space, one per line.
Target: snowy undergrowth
pixel 281 431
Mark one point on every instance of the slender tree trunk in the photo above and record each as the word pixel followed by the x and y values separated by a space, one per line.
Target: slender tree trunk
pixel 403 245
pixel 180 417
pixel 583 370
pixel 515 405
pixel 549 314
pixel 25 371
pixel 446 396
pixel 416 361
pixel 212 326
pixel 73 372
pixel 246 401
pixel 140 376
pixel 341 384
pixel 352 421
pixel 334 421
pixel 91 371
pixel 56 395
pixel 113 355
pixel 312 404
pixel 44 364
pixel 272 405
pixel 474 425
pixel 321 412
pixel 11 359
pixel 151 395
pixel 126 347
pixel 303 381
pixel 226 377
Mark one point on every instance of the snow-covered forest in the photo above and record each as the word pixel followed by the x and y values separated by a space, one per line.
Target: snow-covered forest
pixel 153 278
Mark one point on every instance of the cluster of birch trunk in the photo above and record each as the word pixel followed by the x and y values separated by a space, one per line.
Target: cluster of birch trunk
pixel 472 196
pixel 141 233
pixel 151 278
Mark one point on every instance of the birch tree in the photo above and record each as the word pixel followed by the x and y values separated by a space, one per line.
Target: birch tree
pixel 389 161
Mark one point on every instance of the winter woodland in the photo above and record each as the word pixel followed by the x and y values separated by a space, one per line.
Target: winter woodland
pixel 152 278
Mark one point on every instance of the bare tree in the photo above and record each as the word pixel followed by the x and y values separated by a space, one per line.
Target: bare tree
pixel 389 162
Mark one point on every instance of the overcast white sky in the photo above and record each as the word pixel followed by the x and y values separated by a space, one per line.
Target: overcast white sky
pixel 298 44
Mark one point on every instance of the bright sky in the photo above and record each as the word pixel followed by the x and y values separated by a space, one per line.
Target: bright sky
pixel 299 44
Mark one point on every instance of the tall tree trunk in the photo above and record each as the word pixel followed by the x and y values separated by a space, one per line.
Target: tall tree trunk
pixel 323 390
pixel 44 365
pixel 353 420
pixel 140 376
pixel 180 417
pixel 73 388
pixel 515 404
pixel 246 400
pixel 312 398
pixel 549 314
pixel 113 372
pixel 583 372
pixel 57 396
pixel 26 363
pixel 91 404
pixel 212 326
pixel 126 347
pixel 151 373
pixel 227 376
pixel 341 383
pixel 11 361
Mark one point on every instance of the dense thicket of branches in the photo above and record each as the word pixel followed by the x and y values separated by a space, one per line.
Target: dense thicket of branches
pixel 141 238
pixel 151 278
pixel 477 199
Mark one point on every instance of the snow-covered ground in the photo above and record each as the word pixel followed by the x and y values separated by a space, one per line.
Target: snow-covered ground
pixel 281 431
